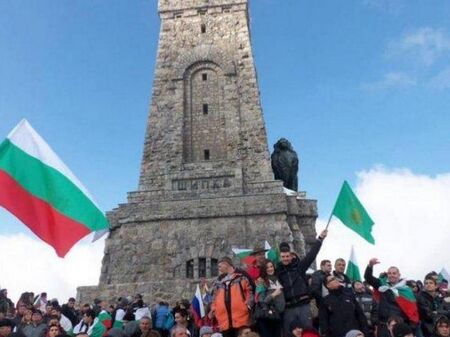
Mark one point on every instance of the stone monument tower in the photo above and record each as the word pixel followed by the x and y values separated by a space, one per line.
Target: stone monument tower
pixel 206 183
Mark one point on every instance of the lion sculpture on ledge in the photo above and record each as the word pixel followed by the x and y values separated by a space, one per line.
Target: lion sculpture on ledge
pixel 285 164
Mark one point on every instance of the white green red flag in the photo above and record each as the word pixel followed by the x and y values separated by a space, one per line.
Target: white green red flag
pixel 245 255
pixel 404 297
pixel 272 254
pixel 41 191
pixel 353 272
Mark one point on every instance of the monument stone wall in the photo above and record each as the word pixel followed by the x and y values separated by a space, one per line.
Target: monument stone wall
pixel 206 183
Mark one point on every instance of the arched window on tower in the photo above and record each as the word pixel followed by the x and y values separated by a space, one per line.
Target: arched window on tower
pixel 204 122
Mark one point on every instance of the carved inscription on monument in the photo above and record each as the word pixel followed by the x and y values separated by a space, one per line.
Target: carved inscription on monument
pixel 203 183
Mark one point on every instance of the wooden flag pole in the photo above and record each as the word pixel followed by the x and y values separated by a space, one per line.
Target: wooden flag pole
pixel 329 220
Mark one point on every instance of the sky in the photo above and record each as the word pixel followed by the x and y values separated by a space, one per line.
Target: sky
pixel 360 87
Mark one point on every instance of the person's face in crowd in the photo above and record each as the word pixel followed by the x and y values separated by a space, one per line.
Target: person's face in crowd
pixel 393 275
pixel 71 304
pixel 332 282
pixel 103 304
pixel 181 333
pixel 56 312
pixel 223 268
pixel 430 285
pixel 48 310
pixel 286 258
pixel 87 319
pixel 358 287
pixel 298 332
pixel 180 319
pixel 339 266
pixel 244 332
pixel 145 325
pixel 53 331
pixel 327 267
pixel 443 329
pixel 21 310
pixel 36 317
pixel 390 326
pixel 5 331
pixel 260 258
pixel 85 308
pixel 27 315
pixel 270 268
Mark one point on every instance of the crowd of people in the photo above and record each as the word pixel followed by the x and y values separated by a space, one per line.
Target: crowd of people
pixel 264 298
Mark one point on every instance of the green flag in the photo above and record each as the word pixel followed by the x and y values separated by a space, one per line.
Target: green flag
pixel 351 212
pixel 352 268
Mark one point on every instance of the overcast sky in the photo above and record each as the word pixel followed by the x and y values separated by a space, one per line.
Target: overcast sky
pixel 361 88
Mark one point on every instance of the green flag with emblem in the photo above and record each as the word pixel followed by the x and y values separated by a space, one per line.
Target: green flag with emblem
pixel 351 212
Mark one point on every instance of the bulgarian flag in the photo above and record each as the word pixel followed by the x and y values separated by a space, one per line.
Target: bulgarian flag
pixel 244 255
pixel 40 190
pixel 404 297
pixel 352 267
pixel 272 254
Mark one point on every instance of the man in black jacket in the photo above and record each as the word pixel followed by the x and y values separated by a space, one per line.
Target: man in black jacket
pixel 291 274
pixel 339 273
pixel 340 312
pixel 317 289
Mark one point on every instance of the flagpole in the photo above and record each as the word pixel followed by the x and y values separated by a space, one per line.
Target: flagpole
pixel 329 220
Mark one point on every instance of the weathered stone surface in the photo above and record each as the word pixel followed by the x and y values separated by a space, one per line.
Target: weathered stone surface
pixel 206 183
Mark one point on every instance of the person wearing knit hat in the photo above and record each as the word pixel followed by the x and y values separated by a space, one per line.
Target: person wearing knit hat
pixel 402 330
pixel 354 333
pixel 206 331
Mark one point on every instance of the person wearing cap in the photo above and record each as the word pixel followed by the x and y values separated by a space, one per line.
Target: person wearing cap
pixel 442 327
pixel 402 330
pixel 291 273
pixel 340 312
pixel 206 331
pixel 254 269
pixel 232 299
pixel 37 327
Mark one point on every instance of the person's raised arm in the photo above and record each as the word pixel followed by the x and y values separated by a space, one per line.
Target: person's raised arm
pixel 368 274
pixel 314 250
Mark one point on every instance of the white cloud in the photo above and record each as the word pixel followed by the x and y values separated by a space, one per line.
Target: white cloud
pixel 392 80
pixel 28 264
pixel 412 222
pixel 424 45
pixel 442 80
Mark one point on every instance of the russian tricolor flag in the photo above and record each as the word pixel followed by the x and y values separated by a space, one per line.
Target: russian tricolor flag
pixel 198 308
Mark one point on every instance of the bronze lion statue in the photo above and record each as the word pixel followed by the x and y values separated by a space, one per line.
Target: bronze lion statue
pixel 285 164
